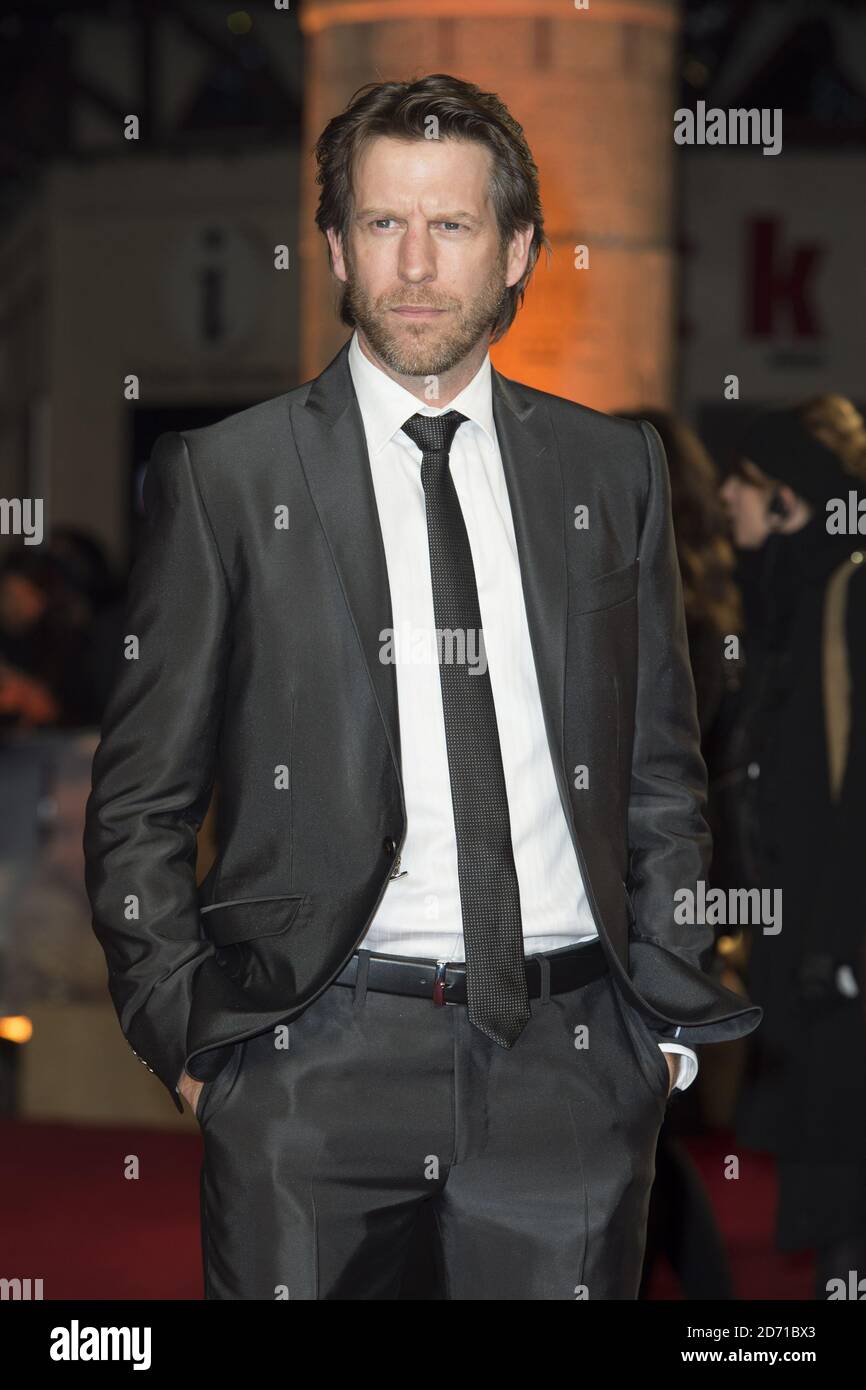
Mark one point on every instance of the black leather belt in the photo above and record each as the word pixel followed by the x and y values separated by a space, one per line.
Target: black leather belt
pixel 445 981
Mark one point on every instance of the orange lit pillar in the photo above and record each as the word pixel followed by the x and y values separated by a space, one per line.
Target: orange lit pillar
pixel 594 89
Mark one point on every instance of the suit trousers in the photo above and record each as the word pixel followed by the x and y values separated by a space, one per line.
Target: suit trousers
pixel 323 1137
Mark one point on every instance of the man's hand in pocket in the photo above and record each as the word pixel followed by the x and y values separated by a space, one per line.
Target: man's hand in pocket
pixel 673 1061
pixel 190 1089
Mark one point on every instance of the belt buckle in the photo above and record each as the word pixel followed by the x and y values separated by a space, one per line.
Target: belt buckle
pixel 439 983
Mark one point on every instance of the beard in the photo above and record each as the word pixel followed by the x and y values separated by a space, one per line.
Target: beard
pixel 425 349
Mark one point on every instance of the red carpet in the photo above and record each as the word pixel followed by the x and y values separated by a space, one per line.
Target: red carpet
pixel 70 1216
pixel 745 1210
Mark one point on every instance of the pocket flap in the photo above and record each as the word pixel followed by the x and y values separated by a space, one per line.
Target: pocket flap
pixel 246 919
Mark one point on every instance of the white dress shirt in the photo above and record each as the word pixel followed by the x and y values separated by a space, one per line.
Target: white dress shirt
pixel 420 914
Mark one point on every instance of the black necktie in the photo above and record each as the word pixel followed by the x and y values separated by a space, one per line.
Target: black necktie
pixel 498 999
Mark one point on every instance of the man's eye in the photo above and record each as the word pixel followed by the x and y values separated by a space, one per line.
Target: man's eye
pixel 380 222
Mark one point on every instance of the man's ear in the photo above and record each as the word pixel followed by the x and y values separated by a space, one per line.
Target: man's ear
pixel 518 254
pixel 338 262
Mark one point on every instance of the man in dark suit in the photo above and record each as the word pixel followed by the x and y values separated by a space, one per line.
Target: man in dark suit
pixel 424 627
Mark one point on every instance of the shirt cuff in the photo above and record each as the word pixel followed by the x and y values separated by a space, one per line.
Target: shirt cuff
pixel 688 1065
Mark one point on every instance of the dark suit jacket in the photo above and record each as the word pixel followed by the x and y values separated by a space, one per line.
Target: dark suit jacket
pixel 258 664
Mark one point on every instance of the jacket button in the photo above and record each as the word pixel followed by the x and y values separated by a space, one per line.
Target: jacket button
pixel 389 846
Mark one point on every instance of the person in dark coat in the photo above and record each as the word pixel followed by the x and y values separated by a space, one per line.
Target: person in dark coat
pixel 804 810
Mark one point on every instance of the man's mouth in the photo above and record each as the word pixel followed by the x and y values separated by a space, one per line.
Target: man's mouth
pixel 408 311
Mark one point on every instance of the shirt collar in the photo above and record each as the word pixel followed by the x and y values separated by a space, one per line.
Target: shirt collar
pixel 386 405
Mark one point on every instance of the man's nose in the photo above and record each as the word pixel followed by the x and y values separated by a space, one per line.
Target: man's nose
pixel 417 260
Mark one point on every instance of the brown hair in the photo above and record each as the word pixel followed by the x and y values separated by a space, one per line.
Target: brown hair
pixel 461 111
pixel 837 424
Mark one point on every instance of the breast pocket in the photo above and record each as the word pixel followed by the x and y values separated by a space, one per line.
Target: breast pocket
pixel 593 593
pixel 249 919
pixel 242 929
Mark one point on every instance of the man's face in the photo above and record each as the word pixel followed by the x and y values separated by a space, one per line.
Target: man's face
pixel 425 273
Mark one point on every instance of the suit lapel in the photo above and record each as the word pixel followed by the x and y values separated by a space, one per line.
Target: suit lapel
pixel 332 447
pixel 530 461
